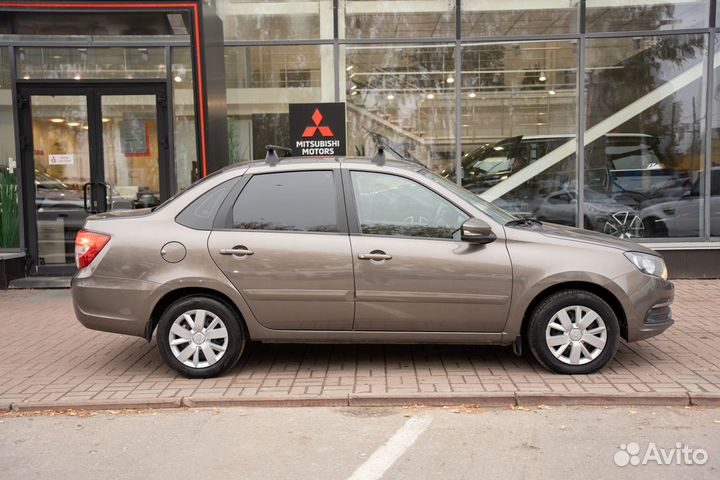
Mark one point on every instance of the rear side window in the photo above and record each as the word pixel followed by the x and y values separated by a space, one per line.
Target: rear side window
pixel 288 201
pixel 200 214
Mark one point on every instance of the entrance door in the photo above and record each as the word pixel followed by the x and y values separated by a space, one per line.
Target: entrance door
pixel 88 149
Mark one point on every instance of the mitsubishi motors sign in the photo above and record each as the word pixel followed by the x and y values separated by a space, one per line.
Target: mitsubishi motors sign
pixel 317 129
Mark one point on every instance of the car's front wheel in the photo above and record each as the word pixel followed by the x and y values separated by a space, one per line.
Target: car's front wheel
pixel 200 337
pixel 573 332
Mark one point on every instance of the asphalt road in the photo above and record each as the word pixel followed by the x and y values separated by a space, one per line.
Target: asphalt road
pixel 361 443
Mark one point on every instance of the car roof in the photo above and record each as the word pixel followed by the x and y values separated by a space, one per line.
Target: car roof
pixel 330 161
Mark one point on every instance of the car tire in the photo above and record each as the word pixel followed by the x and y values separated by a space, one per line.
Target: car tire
pixel 573 332
pixel 198 352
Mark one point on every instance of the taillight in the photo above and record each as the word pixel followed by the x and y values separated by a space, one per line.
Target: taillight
pixel 87 247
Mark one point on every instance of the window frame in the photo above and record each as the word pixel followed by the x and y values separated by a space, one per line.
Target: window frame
pixel 224 218
pixel 354 218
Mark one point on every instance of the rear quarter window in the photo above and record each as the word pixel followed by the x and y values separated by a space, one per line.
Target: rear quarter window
pixel 200 214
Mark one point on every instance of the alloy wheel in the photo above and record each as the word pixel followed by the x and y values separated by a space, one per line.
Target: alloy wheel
pixel 576 335
pixel 624 225
pixel 198 338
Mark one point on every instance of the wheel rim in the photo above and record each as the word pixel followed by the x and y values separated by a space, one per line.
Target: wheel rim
pixel 198 338
pixel 576 335
pixel 624 225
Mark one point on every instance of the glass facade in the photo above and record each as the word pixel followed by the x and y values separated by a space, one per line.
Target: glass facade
pixel 592 113
pixel 9 212
pixel 601 114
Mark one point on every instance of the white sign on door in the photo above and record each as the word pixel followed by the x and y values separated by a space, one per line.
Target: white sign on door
pixel 61 159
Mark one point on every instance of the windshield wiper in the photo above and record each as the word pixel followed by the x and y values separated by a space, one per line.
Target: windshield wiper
pixel 528 222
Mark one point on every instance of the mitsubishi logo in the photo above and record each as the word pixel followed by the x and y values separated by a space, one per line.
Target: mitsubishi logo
pixel 317 118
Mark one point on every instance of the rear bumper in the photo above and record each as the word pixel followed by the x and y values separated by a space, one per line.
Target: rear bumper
pixel 114 305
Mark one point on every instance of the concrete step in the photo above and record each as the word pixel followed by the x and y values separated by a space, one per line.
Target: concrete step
pixel 40 282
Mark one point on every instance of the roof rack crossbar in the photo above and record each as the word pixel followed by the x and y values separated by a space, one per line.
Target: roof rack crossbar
pixel 271 153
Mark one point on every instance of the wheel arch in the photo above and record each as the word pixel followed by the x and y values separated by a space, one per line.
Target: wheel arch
pixel 594 288
pixel 174 295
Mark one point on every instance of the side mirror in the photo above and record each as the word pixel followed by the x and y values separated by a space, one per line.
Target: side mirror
pixel 477 231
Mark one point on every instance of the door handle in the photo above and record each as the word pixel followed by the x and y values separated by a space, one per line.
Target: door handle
pixel 374 255
pixel 238 251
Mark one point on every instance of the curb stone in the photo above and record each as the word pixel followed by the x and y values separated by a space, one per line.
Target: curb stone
pixel 97 405
pixel 705 399
pixel 506 399
pixel 603 399
pixel 341 401
pixel 495 399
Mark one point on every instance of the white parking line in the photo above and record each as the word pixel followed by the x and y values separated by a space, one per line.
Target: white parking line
pixel 384 457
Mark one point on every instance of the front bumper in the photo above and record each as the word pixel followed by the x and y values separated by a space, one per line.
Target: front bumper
pixel 646 301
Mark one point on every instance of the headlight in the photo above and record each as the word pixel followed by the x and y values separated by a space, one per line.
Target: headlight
pixel 649 264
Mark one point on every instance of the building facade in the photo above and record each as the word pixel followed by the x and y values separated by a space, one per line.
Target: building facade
pixel 601 114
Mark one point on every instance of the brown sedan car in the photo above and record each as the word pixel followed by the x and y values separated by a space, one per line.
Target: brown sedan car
pixel 354 250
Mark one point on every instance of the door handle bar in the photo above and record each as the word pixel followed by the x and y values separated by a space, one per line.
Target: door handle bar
pixel 236 251
pixel 374 256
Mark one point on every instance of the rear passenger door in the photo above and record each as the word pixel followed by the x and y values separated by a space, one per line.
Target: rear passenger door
pixel 283 243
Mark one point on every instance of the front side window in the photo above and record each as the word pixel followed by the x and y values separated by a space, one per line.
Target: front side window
pixel 288 201
pixel 397 206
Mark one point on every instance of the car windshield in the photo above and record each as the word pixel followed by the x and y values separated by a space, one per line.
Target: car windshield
pixel 43 180
pixel 492 211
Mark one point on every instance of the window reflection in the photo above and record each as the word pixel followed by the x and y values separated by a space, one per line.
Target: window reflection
pixel 481 18
pixel 621 15
pixel 518 127
pixel 71 63
pixel 399 19
pixel 403 98
pixel 9 225
pixel 262 82
pixel 278 20
pixel 643 142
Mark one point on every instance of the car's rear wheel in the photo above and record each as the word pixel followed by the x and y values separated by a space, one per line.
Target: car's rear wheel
pixel 573 332
pixel 200 337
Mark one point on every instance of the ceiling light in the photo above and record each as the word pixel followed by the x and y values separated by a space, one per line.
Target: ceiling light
pixel 472 95
pixel 352 74
pixel 57 120
pixel 178 78
pixel 26 77
pixel 105 120
pixel 542 77
pixel 77 77
pixel 430 96
pixel 353 87
pixel 354 93
pixel 450 80
pixel 73 124
pixel 350 67
pixel 85 127
pixel 551 91
pixel 391 97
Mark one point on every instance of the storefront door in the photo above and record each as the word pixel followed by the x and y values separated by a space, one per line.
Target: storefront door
pixel 87 149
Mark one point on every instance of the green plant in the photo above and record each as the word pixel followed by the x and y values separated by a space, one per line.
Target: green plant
pixel 9 228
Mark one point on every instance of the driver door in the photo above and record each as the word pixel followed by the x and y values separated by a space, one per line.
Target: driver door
pixel 412 272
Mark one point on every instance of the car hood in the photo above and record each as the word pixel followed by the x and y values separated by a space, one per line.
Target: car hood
pixel 595 238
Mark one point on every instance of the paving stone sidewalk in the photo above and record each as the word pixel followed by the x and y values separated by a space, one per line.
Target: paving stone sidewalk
pixel 48 358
